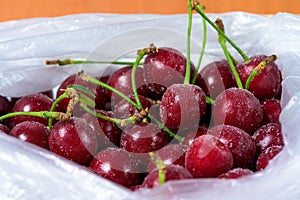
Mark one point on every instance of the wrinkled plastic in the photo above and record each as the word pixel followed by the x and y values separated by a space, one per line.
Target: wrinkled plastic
pixel 29 172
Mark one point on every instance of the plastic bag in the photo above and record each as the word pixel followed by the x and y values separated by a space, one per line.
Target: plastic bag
pixel 29 172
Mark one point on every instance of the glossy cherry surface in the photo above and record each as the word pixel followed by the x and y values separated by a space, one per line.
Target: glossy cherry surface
pixel 267 156
pixel 236 173
pixel 271 111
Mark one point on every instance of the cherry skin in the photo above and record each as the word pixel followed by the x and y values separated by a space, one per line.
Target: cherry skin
pixel 121 80
pixel 4 128
pixel 30 103
pixel 271 111
pixel 172 172
pixel 267 83
pixel 164 68
pixel 73 139
pixel 189 138
pixel 5 105
pixel 236 173
pixel 268 135
pixel 238 107
pixel 267 156
pixel 32 132
pixel 215 77
pixel 208 157
pixel 117 165
pixel 108 133
pixel 182 107
pixel 240 143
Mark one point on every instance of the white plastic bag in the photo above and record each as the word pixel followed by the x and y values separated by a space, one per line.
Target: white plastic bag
pixel 28 172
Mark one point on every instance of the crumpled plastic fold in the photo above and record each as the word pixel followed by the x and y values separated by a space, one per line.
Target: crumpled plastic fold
pixel 29 172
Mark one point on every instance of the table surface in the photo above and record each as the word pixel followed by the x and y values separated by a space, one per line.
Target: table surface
pixel 21 9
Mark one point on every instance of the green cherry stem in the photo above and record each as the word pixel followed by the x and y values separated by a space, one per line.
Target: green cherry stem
pixel 42 114
pixel 204 39
pixel 160 166
pixel 76 62
pixel 198 9
pixel 222 42
pixel 262 65
pixel 189 31
pixel 209 100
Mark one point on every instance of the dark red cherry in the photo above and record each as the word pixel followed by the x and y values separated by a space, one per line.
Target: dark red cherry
pixel 170 154
pixel 238 107
pixel 190 137
pixel 267 83
pixel 240 143
pixel 208 157
pixel 73 139
pixel 4 129
pixel 267 156
pixel 121 81
pixel 172 172
pixel 236 173
pixel 182 107
pixel 268 135
pixel 108 133
pixel 117 165
pixel 271 111
pixel 32 132
pixel 215 77
pixel 5 105
pixel 164 68
pixel 30 103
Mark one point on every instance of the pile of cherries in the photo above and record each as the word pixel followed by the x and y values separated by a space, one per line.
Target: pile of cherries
pixel 161 127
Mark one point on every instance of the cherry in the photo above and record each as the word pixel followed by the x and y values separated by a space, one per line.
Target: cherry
pixel 164 68
pixel 170 154
pixel 117 165
pixel 267 83
pixel 268 135
pixel 4 129
pixel 172 172
pixel 190 137
pixel 108 133
pixel 5 105
pixel 32 132
pixel 73 139
pixel 271 111
pixel 121 80
pixel 208 157
pixel 30 103
pixel 240 143
pixel 236 173
pixel 182 107
pixel 267 156
pixel 238 107
pixel 215 77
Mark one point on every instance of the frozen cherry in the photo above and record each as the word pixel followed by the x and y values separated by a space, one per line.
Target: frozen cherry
pixel 268 135
pixel 4 129
pixel 117 165
pixel 208 157
pixel 5 105
pixel 267 83
pixel 182 107
pixel 190 137
pixel 73 139
pixel 32 132
pixel 236 173
pixel 215 77
pixel 240 143
pixel 164 68
pixel 238 107
pixel 121 80
pixel 271 111
pixel 267 156
pixel 30 103
pixel 172 172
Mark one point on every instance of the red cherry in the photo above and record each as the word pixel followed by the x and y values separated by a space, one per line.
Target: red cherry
pixel 4 129
pixel 208 157
pixel 267 156
pixel 73 139
pixel 32 132
pixel 117 165
pixel 271 111
pixel 5 105
pixel 236 173
pixel 238 107
pixel 190 137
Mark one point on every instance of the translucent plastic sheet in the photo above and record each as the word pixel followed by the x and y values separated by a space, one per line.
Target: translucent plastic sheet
pixel 28 172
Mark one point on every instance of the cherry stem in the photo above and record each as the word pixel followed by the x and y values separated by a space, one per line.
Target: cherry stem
pixel 140 54
pixel 160 166
pixel 75 62
pixel 262 65
pixel 209 100
pixel 189 31
pixel 202 48
pixel 42 114
pixel 198 8
pixel 228 56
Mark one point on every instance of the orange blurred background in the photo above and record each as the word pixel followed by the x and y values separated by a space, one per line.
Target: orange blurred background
pixel 20 9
